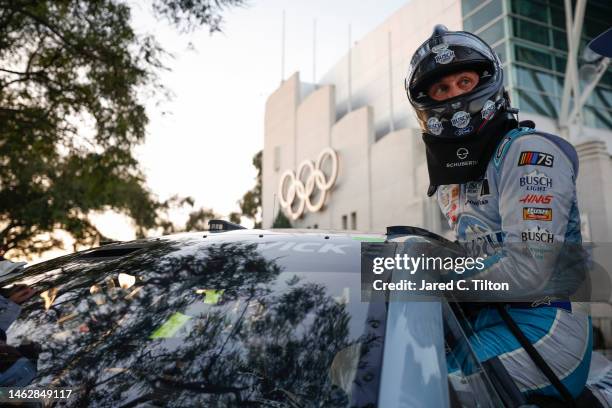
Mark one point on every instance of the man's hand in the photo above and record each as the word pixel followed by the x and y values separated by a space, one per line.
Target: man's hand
pixel 21 293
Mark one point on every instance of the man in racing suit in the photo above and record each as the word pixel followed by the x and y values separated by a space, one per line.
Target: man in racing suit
pixel 502 187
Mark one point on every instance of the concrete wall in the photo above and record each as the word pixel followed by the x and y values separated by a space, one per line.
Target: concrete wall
pixel 379 63
pixel 398 185
pixel 315 117
pixel 279 132
pixel 595 189
pixel 352 138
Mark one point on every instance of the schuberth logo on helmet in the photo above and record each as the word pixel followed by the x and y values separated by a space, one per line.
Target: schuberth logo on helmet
pixel 462 153
pixel 434 126
pixel 460 119
pixel 443 54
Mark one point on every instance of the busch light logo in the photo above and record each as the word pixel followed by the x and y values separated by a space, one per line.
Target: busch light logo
pixel 460 119
pixel 434 126
pixel 535 181
pixel 488 109
pixel 537 234
pixel 443 54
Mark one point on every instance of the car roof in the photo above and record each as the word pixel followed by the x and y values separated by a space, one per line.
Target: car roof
pixel 308 237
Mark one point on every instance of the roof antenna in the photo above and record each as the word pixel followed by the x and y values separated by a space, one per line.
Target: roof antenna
pixel 273 211
pixel 283 50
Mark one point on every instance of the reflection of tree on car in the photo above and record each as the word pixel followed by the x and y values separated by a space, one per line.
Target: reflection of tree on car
pixel 17 364
pixel 267 338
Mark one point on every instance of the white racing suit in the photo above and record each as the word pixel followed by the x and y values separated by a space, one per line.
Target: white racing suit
pixel 527 197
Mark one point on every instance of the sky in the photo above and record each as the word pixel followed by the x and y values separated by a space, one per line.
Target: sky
pixel 201 142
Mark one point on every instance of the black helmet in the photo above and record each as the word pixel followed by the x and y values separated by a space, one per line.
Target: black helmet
pixel 446 52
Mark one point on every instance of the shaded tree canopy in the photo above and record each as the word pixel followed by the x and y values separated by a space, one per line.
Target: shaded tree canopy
pixel 234 217
pixel 198 220
pixel 281 221
pixel 250 204
pixel 74 78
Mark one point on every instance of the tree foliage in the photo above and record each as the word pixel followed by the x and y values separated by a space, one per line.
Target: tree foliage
pixel 235 217
pixel 281 221
pixel 250 204
pixel 74 77
pixel 198 220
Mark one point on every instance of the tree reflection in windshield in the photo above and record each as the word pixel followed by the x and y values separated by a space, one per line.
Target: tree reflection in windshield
pixel 187 325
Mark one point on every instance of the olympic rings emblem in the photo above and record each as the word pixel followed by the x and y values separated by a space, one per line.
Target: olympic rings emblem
pixel 292 186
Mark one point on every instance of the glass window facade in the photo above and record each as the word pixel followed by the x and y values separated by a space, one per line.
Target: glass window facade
pixel 530 37
pixel 484 15
pixel 530 9
pixel 494 33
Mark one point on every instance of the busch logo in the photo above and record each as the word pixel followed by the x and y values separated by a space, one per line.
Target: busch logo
pixel 443 54
pixel 460 119
pixel 538 234
pixel 536 181
pixel 536 199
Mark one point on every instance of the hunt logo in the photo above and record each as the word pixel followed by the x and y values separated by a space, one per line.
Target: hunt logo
pixel 535 181
pixel 537 214
pixel 536 199
pixel 536 159
pixel 538 234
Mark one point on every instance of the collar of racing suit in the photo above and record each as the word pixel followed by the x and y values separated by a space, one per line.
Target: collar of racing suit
pixel 457 161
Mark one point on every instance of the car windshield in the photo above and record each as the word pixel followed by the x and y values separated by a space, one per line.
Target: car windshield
pixel 182 323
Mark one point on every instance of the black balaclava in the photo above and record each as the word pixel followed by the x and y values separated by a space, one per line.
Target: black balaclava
pixel 456 161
